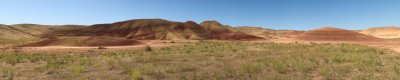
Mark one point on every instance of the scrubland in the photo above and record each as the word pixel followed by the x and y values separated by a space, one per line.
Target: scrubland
pixel 209 61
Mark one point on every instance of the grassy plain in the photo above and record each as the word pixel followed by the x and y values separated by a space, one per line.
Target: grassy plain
pixel 209 61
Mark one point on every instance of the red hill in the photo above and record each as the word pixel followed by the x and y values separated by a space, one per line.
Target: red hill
pixel 152 29
pixel 335 34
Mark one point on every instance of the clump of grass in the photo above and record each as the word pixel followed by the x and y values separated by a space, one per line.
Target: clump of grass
pixel 17 49
pixel 136 75
pixel 4 49
pixel 101 47
pixel 77 70
pixel 148 48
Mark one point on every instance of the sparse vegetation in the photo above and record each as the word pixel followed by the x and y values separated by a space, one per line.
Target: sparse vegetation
pixel 148 48
pixel 102 47
pixel 17 41
pixel 210 60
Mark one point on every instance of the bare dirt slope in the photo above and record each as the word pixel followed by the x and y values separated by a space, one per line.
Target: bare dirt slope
pixel 268 33
pixel 10 33
pixel 84 41
pixel 256 31
pixel 336 34
pixel 225 32
pixel 383 32
pixel 25 31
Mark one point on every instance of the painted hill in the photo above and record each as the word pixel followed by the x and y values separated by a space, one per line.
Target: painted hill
pixel 152 29
pixel 13 33
pixel 383 32
pixel 225 32
pixel 120 33
pixel 24 31
pixel 158 29
pixel 256 31
pixel 267 33
pixel 335 34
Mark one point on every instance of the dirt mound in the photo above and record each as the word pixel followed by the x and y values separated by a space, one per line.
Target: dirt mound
pixel 225 32
pixel 84 41
pixel 335 34
pixel 383 32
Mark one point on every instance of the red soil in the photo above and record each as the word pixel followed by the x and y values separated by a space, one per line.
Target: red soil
pixel 335 34
pixel 238 36
pixel 109 41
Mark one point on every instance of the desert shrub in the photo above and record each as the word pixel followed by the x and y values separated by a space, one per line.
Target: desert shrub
pixel 148 48
pixel 173 42
pixel 17 49
pixel 313 43
pixel 102 47
pixel 77 69
pixel 3 49
pixel 203 41
pixel 91 51
pixel 136 75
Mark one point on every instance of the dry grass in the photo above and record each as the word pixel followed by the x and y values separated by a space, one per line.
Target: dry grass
pixel 210 60
pixel 18 41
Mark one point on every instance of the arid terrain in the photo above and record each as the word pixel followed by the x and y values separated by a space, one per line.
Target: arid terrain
pixel 154 49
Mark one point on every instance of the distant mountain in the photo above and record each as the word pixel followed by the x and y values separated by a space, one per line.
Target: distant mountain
pixel 383 32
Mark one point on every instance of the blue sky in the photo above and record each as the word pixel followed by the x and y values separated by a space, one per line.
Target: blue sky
pixel 275 14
